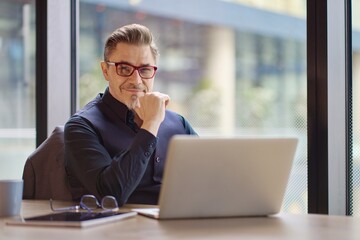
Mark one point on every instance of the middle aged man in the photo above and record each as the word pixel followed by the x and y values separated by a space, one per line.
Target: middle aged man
pixel 116 145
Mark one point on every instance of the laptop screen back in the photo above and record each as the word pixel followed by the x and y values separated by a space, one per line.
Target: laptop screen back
pixel 225 177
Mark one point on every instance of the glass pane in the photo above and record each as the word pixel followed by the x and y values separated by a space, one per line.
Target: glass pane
pixel 241 71
pixel 355 158
pixel 17 85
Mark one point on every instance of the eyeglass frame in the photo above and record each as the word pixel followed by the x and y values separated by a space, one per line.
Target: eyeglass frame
pixel 82 205
pixel 116 64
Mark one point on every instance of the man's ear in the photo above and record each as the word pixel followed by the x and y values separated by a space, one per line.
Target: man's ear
pixel 105 69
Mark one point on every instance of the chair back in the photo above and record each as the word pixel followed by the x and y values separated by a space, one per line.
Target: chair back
pixel 44 172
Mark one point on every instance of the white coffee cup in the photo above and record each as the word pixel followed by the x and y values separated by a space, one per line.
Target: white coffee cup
pixel 11 192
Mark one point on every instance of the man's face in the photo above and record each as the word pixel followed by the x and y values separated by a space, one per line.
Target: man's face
pixel 128 89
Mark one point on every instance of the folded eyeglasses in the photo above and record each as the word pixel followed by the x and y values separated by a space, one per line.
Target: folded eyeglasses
pixel 90 203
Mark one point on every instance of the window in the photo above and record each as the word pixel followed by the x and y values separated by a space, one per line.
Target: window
pixel 243 74
pixel 17 85
pixel 355 138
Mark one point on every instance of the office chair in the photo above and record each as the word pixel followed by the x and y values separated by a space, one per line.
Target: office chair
pixel 44 171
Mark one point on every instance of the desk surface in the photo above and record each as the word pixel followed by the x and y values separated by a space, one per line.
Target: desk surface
pixel 282 226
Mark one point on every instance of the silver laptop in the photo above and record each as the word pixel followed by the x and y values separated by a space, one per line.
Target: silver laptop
pixel 224 177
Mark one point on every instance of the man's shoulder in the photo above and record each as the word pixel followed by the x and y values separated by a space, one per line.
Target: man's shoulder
pixel 177 117
pixel 90 106
pixel 80 118
pixel 173 114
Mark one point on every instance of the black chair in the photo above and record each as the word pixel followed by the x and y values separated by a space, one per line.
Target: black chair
pixel 44 171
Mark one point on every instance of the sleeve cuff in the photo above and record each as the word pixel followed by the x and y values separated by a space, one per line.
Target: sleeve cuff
pixel 146 142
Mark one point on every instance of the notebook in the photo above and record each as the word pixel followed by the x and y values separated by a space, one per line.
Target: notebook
pixel 209 177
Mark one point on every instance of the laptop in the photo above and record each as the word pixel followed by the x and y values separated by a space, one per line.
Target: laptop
pixel 211 177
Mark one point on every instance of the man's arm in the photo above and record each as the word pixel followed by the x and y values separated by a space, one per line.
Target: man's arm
pixel 92 165
pixel 188 128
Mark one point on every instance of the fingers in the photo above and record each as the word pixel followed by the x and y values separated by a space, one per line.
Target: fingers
pixel 151 106
pixel 153 97
pixel 166 99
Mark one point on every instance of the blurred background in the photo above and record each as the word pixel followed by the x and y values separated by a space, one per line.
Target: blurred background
pixel 233 68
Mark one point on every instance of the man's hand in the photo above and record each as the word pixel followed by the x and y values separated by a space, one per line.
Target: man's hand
pixel 150 108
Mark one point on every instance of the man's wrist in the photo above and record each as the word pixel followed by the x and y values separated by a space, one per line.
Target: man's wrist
pixel 151 127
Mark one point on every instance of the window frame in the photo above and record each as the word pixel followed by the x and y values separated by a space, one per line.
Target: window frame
pixel 327 166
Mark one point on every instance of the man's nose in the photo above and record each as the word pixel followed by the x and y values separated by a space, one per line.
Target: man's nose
pixel 135 76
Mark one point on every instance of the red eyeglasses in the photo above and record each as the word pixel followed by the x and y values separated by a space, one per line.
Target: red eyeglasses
pixel 126 70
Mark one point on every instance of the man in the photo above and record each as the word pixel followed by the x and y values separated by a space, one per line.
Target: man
pixel 116 145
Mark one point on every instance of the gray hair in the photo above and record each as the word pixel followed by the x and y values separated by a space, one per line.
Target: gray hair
pixel 132 34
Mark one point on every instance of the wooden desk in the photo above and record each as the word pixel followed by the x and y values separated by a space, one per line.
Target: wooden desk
pixel 282 226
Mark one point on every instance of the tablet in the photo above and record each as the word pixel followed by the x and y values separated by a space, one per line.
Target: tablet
pixel 72 219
